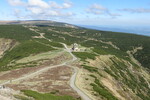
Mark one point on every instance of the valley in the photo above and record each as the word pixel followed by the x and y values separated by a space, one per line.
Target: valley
pixel 38 63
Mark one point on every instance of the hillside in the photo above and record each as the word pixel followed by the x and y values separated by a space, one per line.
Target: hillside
pixel 38 22
pixel 37 61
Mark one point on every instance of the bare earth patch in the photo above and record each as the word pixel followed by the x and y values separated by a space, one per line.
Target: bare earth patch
pixel 112 86
pixel 55 79
pixel 6 44
pixel 13 74
pixel 83 82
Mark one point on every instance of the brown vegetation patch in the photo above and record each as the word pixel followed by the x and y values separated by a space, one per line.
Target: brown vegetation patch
pixel 55 79
pixel 13 74
pixel 6 44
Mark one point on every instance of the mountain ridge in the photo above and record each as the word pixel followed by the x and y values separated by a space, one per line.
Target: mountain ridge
pixel 109 65
pixel 37 22
pixel 124 29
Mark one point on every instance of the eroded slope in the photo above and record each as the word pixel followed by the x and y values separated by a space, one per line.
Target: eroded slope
pixel 105 70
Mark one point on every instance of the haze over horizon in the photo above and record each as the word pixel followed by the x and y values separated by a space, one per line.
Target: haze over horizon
pixel 87 12
pixel 75 50
pixel 104 13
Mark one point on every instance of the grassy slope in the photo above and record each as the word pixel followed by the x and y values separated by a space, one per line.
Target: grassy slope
pixel 89 39
pixel 46 96
pixel 23 50
pixel 84 55
pixel 26 47
pixel 122 40
pixel 51 43
pixel 128 42
pixel 100 89
pixel 16 32
pixel 121 73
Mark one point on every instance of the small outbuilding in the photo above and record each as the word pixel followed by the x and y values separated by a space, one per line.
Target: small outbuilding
pixel 2 86
pixel 75 47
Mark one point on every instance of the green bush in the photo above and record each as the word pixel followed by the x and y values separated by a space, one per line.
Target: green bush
pixel 90 68
pixel 51 43
pixel 17 32
pixel 23 50
pixel 110 73
pixel 100 89
pixel 45 96
pixel 85 55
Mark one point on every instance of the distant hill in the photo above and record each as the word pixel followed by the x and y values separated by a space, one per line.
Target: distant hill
pixel 109 65
pixel 37 22
pixel 133 30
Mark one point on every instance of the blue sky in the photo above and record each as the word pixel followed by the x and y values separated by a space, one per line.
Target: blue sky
pixel 85 12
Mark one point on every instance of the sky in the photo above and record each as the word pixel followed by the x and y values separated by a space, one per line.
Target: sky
pixel 82 12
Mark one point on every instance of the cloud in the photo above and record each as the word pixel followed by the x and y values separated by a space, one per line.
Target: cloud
pixel 17 12
pixel 114 14
pixel 35 10
pixel 97 9
pixel 16 2
pixel 65 5
pixel 136 10
pixel 53 4
pixel 49 9
pixel 38 3
pixel 100 10
pixel 43 9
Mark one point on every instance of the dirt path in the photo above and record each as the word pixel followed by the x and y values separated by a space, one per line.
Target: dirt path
pixel 67 63
pixel 4 98
pixel 73 78
pixel 32 74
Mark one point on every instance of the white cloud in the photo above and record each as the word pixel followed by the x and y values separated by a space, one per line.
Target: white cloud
pixel 16 2
pixel 17 12
pixel 97 9
pixel 136 10
pixel 65 5
pixel 53 13
pixel 114 14
pixel 53 4
pixel 38 3
pixel 69 14
pixel 35 10
pixel 100 10
pixel 42 8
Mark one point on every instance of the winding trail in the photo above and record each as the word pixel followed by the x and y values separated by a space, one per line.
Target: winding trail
pixel 67 63
pixel 73 78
